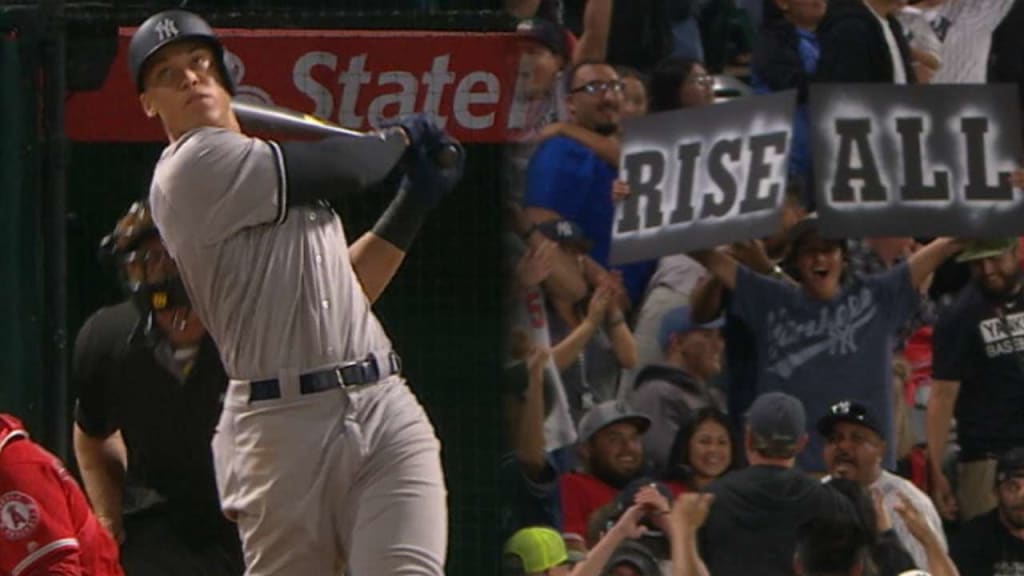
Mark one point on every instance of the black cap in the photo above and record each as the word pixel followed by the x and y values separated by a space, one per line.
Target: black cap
pixel 544 32
pixel 849 411
pixel 1010 465
pixel 636 555
pixel 565 232
pixel 806 228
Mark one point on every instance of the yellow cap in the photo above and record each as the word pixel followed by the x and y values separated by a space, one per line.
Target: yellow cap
pixel 538 547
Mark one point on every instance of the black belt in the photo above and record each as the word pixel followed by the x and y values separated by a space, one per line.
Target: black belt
pixel 366 371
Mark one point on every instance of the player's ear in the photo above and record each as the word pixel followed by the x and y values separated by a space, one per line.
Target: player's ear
pixel 147 105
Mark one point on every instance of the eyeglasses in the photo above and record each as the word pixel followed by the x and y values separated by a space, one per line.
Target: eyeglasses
pixel 702 80
pixel 600 87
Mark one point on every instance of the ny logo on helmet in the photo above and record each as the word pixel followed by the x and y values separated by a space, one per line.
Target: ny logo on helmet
pixel 166 28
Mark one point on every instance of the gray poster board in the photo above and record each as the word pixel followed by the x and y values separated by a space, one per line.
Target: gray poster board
pixel 916 160
pixel 702 177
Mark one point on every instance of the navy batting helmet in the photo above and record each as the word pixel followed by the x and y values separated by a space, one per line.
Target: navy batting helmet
pixel 168 27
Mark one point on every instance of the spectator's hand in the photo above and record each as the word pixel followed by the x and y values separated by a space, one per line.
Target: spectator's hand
pixel 942 496
pixel 535 266
pixel 883 523
pixel 690 510
pixel 551 130
pixel 620 190
pixel 629 524
pixel 656 504
pixel 914 520
pixel 599 302
pixel 620 298
pixel 536 362
pixel 752 255
pixel 1017 178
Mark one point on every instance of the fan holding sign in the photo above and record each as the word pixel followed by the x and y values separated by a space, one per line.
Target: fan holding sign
pixel 822 340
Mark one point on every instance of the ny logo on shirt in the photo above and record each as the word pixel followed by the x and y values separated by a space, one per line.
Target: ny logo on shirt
pixel 797 341
pixel 166 28
pixel 941 27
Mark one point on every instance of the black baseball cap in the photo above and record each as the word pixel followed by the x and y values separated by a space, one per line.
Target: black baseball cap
pixel 565 232
pixel 806 229
pixel 544 32
pixel 849 411
pixel 1010 465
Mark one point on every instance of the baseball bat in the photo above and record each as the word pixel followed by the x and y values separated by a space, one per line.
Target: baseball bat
pixel 285 122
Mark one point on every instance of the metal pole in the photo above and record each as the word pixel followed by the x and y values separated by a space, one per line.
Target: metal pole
pixel 55 365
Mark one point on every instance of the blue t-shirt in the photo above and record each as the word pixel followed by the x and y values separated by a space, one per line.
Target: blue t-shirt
pixel 566 177
pixel 826 351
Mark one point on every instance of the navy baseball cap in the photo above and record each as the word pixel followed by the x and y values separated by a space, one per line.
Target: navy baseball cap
pixel 849 411
pixel 565 232
pixel 544 32
pixel 777 418
pixel 678 321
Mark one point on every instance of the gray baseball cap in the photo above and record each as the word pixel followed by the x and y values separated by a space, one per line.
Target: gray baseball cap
pixel 607 413
pixel 777 418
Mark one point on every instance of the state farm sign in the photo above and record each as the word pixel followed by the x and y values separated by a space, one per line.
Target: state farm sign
pixel 354 78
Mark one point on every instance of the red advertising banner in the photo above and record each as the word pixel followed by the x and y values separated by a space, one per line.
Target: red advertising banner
pixel 353 78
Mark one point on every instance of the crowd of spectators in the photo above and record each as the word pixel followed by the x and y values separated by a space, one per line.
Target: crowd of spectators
pixel 796 404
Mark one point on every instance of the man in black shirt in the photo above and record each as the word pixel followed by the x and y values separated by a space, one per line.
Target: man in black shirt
pixel 978 375
pixel 752 526
pixel 150 386
pixel 993 544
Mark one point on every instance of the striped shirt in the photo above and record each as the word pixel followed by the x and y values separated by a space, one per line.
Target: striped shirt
pixel 965 29
pixel 273 285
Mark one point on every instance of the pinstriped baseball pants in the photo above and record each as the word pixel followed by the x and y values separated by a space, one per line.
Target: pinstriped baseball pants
pixel 342 479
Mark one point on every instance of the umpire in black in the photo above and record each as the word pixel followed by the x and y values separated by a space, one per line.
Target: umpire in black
pixel 151 385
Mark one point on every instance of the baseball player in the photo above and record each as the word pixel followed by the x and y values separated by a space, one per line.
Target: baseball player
pixel 322 454
pixel 46 526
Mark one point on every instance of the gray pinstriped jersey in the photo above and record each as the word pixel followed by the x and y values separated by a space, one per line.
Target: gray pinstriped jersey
pixel 274 286
pixel 965 29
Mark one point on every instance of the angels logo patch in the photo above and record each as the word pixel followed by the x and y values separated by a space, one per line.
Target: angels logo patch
pixel 19 515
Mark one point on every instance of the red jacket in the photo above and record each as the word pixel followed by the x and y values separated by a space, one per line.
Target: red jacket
pixel 46 525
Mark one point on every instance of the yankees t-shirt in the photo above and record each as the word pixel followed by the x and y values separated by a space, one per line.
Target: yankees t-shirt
pixel 824 351
pixel 965 30
pixel 979 342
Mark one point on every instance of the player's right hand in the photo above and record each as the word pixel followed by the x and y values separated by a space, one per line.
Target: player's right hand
pixel 427 182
